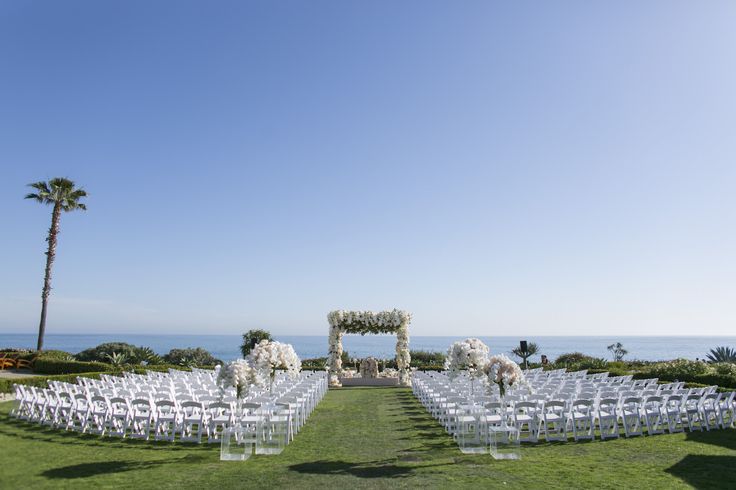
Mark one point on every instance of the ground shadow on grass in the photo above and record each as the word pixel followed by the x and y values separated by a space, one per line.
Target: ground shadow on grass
pixel 86 470
pixel 703 471
pixel 723 438
pixel 371 469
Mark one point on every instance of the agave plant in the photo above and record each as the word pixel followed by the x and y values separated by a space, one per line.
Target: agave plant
pixel 147 356
pixel 722 354
pixel 117 359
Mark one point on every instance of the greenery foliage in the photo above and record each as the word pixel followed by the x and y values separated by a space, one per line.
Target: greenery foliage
pixel 193 356
pixel 6 385
pixel 103 352
pixel 421 358
pixel 722 354
pixel 721 374
pixel 44 365
pixel 251 338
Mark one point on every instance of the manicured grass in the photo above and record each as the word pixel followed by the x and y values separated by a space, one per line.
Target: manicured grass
pixel 358 438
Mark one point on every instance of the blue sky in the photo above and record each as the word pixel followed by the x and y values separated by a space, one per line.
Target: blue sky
pixel 493 167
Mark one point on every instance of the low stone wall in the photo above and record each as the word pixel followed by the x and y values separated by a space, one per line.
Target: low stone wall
pixel 369 381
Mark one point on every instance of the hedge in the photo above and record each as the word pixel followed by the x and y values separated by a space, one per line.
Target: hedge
pixel 54 366
pixel 6 385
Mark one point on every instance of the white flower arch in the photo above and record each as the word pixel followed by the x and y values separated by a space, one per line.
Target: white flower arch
pixel 363 322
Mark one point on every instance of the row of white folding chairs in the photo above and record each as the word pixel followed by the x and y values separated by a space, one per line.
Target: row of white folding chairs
pixel 166 417
pixel 555 418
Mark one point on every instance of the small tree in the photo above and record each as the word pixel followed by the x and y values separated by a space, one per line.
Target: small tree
pixel 618 351
pixel 531 349
pixel 251 338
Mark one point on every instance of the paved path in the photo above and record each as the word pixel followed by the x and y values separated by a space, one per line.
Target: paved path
pixel 13 374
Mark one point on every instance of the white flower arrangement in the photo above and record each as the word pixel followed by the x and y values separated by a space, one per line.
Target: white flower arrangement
pixel 469 354
pixel 239 374
pixel 268 356
pixel 503 372
pixel 363 322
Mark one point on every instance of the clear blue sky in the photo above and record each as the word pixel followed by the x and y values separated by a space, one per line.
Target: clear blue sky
pixel 493 167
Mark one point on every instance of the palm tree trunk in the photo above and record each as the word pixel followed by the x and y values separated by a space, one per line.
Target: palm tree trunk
pixel 50 255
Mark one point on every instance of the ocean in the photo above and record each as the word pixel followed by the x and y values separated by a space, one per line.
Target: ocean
pixel 226 347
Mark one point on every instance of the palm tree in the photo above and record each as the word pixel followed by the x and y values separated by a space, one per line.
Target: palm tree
pixel 618 351
pixel 64 196
pixel 531 349
pixel 722 354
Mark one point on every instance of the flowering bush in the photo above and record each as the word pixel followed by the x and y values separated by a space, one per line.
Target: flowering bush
pixel 503 372
pixel 470 354
pixel 268 356
pixel 239 374
pixel 677 369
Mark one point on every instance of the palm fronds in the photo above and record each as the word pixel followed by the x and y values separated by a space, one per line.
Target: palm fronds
pixel 722 354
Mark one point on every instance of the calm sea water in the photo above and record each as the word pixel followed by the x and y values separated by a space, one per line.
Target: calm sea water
pixel 226 347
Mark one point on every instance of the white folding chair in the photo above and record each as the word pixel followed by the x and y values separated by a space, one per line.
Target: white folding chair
pixel 140 418
pixel 554 421
pixel 608 418
pixel 526 422
pixel 631 416
pixel 220 417
pixel 192 421
pixel 98 412
pixel 672 410
pixel 582 420
pixel 691 410
pixel 118 417
pixel 166 420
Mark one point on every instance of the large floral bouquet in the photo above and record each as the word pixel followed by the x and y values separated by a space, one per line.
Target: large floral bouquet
pixel 239 375
pixel 268 356
pixel 504 372
pixel 469 354
pixel 363 322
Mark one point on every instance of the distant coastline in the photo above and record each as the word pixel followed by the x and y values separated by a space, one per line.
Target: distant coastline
pixel 226 347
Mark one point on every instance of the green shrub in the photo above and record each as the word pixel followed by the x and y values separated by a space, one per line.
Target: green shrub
pixel 190 357
pixel 6 385
pixel 315 364
pixel 59 355
pixel 103 352
pixel 55 366
pixel 570 358
pixel 422 358
pixel 577 361
pixel 681 369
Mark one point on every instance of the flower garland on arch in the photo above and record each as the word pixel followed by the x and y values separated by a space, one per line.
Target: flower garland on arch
pixel 363 322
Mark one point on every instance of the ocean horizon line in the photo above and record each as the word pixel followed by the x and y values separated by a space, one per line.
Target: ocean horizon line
pixel 521 336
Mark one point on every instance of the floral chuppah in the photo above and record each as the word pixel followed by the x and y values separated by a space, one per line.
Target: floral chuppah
pixel 363 322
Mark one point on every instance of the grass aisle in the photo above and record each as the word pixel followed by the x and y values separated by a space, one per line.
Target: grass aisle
pixel 363 438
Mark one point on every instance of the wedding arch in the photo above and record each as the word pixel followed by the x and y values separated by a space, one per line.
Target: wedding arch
pixel 363 322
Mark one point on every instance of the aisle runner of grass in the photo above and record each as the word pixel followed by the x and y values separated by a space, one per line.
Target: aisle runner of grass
pixel 357 438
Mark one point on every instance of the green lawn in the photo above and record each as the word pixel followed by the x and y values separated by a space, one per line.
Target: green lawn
pixel 363 437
